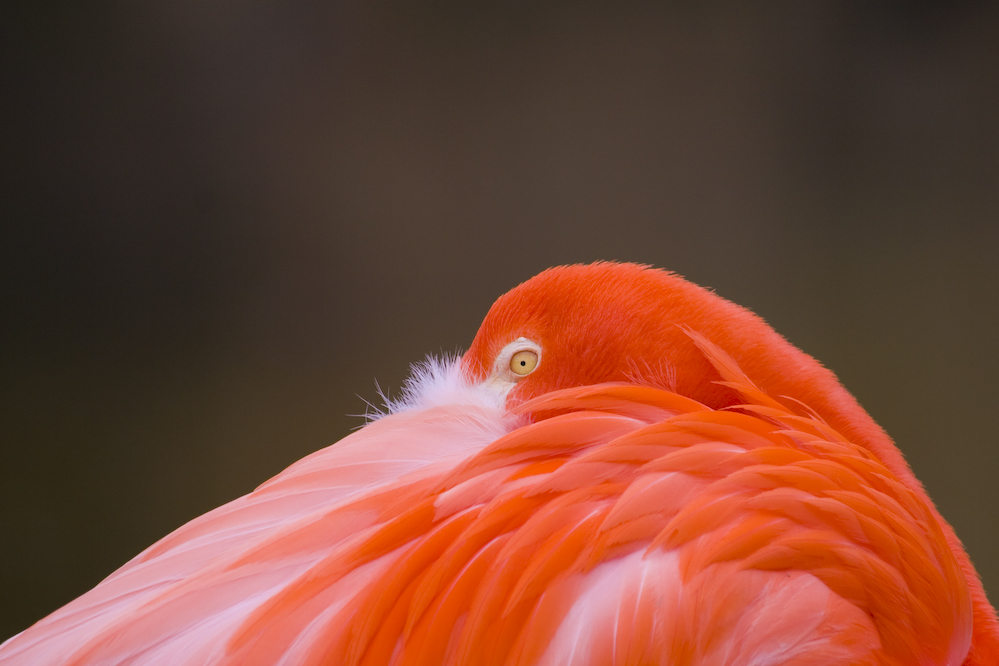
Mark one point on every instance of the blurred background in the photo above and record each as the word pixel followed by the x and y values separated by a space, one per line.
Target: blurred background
pixel 221 221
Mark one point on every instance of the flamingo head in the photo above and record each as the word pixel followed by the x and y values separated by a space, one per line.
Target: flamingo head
pixel 604 322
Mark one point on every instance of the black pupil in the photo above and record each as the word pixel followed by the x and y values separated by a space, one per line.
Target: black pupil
pixel 523 363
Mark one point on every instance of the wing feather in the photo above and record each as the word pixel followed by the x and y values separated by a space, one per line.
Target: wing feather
pixel 613 524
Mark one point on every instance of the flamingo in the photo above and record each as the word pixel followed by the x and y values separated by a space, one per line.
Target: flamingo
pixel 624 468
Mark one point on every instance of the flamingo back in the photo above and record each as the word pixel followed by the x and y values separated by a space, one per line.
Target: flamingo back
pixel 609 524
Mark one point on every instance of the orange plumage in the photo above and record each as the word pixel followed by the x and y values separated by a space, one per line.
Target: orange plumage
pixel 673 483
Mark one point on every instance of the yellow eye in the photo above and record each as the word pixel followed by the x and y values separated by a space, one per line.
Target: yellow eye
pixel 523 362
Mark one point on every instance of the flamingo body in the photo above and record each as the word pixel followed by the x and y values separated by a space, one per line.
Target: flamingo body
pixel 647 495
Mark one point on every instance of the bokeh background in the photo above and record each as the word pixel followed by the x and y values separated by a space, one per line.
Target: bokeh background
pixel 221 221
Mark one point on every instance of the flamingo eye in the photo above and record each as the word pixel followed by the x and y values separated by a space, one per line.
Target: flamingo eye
pixel 523 362
pixel 515 361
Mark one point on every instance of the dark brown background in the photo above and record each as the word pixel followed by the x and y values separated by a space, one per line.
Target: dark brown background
pixel 222 220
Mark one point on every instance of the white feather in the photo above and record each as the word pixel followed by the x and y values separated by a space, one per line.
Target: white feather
pixel 435 382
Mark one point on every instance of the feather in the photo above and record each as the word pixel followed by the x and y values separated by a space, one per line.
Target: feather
pixel 593 522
